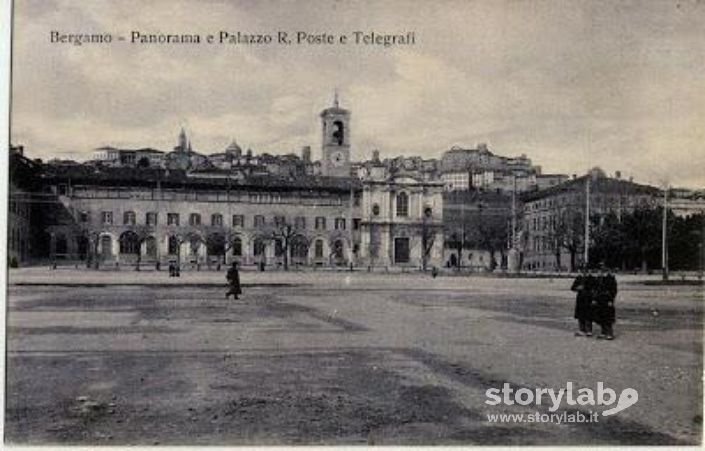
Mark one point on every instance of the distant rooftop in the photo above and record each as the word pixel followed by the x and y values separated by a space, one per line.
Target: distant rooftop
pixel 128 176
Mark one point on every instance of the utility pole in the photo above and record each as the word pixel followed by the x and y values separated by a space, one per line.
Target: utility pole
pixel 514 213
pixel 586 243
pixel 701 245
pixel 664 235
pixel 462 235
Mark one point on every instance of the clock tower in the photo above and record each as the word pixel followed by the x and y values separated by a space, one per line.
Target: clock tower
pixel 336 140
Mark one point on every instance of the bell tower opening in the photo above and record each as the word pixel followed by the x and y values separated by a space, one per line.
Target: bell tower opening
pixel 339 132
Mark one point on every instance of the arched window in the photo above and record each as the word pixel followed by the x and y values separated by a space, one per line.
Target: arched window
pixel 299 247
pixel 258 247
pixel 319 249
pixel 195 246
pixel 151 245
pixel 61 245
pixel 402 204
pixel 215 244
pixel 106 246
pixel 173 245
pixel 129 243
pixel 129 218
pixel 82 244
pixel 338 250
pixel 237 247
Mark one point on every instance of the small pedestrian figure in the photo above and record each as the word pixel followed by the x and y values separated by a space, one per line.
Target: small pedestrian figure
pixel 177 270
pixel 603 303
pixel 434 272
pixel 233 278
pixel 584 287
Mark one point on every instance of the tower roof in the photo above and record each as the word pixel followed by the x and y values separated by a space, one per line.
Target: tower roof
pixel 335 109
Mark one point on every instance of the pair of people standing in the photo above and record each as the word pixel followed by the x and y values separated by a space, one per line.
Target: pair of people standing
pixel 594 302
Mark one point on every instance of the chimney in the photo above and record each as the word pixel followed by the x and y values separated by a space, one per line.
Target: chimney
pixel 618 175
pixel 375 155
pixel 306 154
pixel 575 176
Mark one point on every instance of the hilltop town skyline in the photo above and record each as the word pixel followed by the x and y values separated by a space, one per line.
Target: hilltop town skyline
pixel 571 84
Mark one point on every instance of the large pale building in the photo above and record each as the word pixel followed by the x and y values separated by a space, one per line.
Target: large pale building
pixel 120 216
pixel 553 227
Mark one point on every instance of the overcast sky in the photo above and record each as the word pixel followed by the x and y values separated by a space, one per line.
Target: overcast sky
pixel 572 84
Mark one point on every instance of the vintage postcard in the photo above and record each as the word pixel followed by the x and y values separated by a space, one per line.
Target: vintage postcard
pixel 326 222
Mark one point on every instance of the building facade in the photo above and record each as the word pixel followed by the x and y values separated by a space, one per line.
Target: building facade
pixel 479 169
pixel 553 229
pixel 22 206
pixel 402 219
pixel 124 217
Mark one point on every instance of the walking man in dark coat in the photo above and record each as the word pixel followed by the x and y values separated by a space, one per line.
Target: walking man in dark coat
pixel 233 277
pixel 584 286
pixel 604 311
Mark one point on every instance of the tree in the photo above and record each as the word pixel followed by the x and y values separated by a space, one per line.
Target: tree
pixel 193 237
pixel 93 238
pixel 141 234
pixel 608 240
pixel 283 233
pixel 220 242
pixel 456 229
pixel 568 233
pixel 456 240
pixel 489 231
pixel 428 238
pixel 642 237
pixel 686 241
pixel 374 245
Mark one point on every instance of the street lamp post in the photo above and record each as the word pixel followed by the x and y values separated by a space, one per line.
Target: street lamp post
pixel 586 243
pixel 701 245
pixel 664 236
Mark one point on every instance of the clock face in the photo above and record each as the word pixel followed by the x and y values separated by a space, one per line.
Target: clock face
pixel 337 158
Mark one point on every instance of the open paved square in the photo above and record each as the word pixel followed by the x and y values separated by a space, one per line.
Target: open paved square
pixel 336 358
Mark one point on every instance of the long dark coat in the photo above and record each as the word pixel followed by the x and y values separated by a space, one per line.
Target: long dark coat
pixel 584 287
pixel 605 294
pixel 234 281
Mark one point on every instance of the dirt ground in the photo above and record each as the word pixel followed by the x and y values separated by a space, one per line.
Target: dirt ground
pixel 331 359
